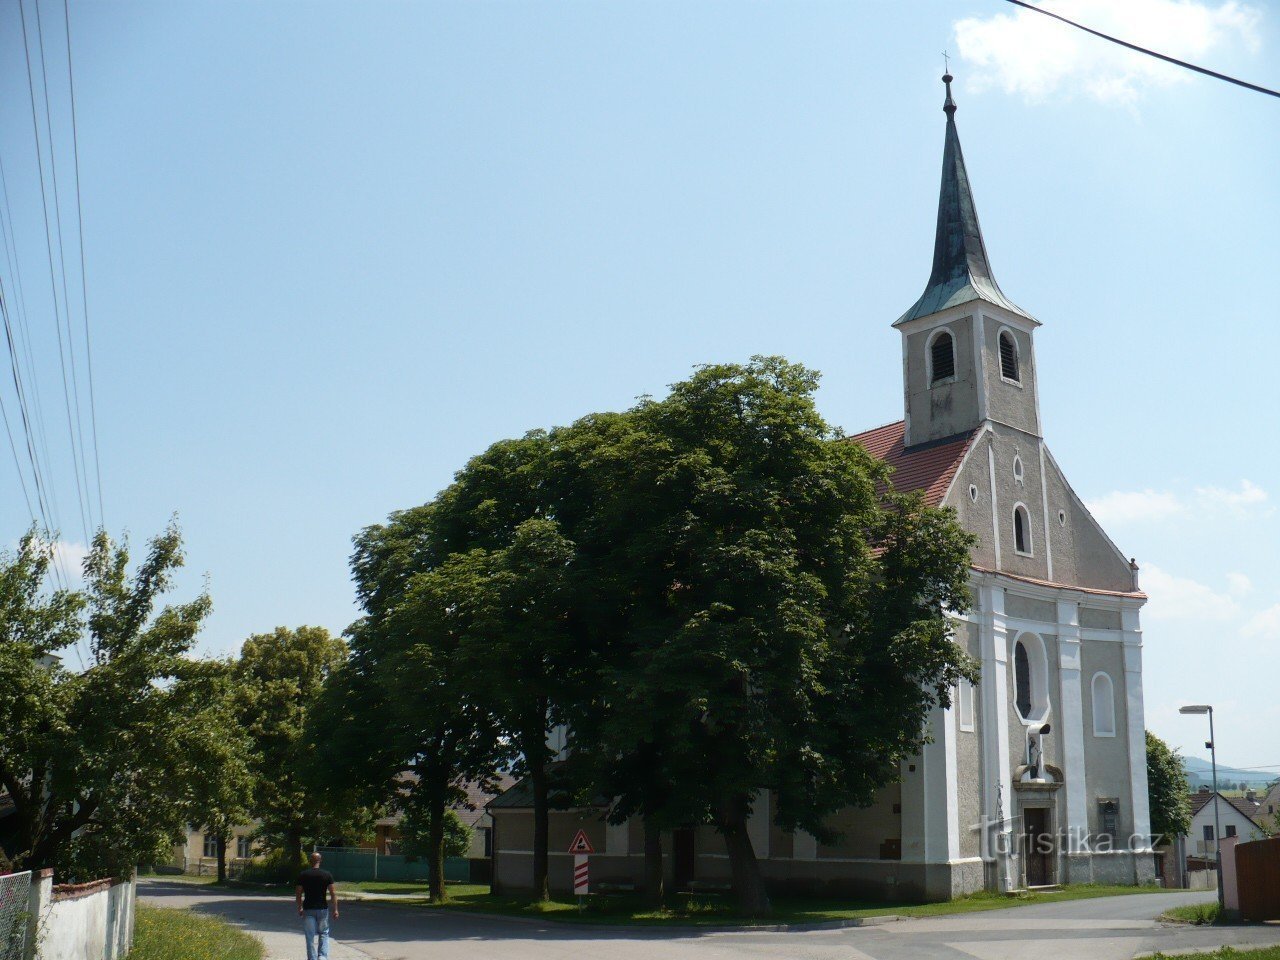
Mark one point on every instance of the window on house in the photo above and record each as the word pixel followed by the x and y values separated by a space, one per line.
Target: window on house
pixel 1022 679
pixel 1008 357
pixel 1021 530
pixel 1208 833
pixel 964 694
pixel 942 357
pixel 1231 829
pixel 1104 706
pixel 487 834
pixel 210 845
pixel 243 848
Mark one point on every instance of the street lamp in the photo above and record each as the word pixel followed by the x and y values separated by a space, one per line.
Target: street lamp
pixel 1213 759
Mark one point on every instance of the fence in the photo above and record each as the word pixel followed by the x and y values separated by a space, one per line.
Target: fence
pixel 1258 879
pixel 88 921
pixel 358 863
pixel 15 904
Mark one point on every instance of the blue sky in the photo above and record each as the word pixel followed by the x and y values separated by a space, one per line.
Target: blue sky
pixel 333 250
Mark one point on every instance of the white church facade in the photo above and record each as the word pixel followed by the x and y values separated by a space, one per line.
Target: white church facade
pixel 1037 774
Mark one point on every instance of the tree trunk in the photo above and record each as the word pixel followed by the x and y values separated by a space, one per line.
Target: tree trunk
pixel 653 888
pixel 748 883
pixel 293 849
pixel 436 889
pixel 222 856
pixel 541 826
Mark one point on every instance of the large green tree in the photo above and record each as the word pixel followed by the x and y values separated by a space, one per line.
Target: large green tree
pixel 216 763
pixel 98 719
pixel 279 679
pixel 406 690
pixel 787 631
pixel 1167 797
pixel 718 593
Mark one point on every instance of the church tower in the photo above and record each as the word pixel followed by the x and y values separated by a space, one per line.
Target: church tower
pixel 967 349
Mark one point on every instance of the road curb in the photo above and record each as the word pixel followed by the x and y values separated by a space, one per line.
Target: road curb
pixel 849 923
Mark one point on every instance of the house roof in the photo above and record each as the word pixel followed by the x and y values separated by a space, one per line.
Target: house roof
pixel 961 271
pixel 1201 798
pixel 926 467
pixel 469 811
pixel 559 797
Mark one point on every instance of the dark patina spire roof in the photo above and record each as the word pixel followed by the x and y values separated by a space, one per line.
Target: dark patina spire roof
pixel 961 271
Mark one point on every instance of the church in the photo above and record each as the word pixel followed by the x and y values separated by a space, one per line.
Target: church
pixel 1037 774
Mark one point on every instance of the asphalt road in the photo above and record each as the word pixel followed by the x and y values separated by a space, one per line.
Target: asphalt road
pixel 1107 928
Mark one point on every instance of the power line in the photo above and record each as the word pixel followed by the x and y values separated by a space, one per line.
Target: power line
pixel 62 267
pixel 1151 53
pixel 84 288
pixel 53 284
pixel 32 387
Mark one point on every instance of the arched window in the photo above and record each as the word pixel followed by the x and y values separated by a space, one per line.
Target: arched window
pixel 1009 357
pixel 1022 679
pixel 1104 706
pixel 1030 677
pixel 1021 530
pixel 942 357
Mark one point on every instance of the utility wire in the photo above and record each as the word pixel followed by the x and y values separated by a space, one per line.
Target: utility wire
pixel 84 287
pixel 53 284
pixel 32 388
pixel 62 267
pixel 1151 53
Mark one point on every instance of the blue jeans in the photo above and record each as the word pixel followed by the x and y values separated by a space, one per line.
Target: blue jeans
pixel 315 925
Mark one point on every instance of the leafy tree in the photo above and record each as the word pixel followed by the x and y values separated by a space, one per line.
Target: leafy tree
pixel 94 759
pixel 418 833
pixel 217 758
pixel 279 678
pixel 404 689
pixel 789 634
pixel 1167 796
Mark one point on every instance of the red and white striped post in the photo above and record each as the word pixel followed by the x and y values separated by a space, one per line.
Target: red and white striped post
pixel 581 847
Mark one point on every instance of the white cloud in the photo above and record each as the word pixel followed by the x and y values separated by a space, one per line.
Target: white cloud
pixel 1264 625
pixel 1181 598
pixel 1239 584
pixel 1138 506
pixel 1249 494
pixel 1128 506
pixel 1032 55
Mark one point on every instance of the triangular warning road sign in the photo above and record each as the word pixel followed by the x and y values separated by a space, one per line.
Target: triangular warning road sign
pixel 580 843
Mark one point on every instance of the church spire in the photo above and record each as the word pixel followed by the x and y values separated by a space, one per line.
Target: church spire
pixel 961 271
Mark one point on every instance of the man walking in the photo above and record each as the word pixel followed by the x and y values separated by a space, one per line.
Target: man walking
pixel 315 886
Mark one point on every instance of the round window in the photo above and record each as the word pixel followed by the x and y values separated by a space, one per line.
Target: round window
pixel 973 493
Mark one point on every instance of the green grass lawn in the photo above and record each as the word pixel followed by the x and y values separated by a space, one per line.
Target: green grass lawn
pixel 164 934
pixel 710 909
pixel 1199 914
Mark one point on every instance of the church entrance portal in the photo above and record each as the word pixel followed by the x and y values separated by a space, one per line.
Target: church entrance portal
pixel 1037 846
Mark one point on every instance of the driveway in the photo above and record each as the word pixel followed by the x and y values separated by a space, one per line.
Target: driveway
pixel 1107 928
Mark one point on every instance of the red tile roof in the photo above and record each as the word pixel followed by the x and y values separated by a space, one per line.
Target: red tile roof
pixel 927 467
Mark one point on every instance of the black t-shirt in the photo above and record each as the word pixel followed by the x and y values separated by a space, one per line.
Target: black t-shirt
pixel 315 884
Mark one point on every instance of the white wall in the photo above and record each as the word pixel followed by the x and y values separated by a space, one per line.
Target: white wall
pixel 94 922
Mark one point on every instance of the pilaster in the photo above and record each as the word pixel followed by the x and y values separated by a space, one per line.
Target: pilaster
pixel 997 787
pixel 1136 724
pixel 1071 713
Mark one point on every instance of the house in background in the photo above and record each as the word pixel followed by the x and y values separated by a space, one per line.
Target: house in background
pixel 1237 816
pixel 473 813
pixel 198 853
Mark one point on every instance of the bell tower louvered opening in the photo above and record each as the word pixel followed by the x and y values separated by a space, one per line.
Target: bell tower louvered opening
pixel 1008 357
pixel 942 358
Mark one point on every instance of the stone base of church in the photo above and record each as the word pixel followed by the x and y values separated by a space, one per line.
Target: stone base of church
pixel 1120 869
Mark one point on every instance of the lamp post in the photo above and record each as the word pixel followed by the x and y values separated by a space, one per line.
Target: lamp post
pixel 1198 708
